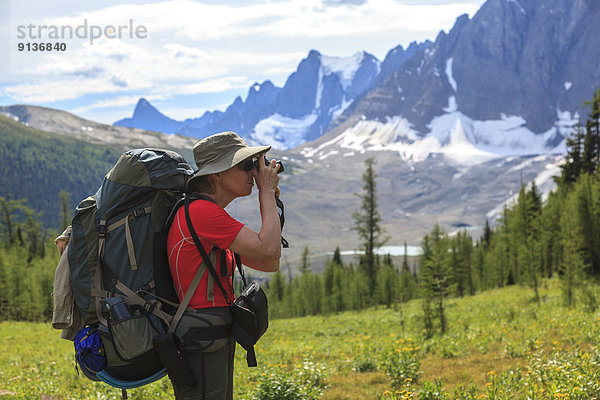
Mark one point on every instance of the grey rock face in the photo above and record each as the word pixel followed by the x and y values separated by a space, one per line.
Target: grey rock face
pixel 515 57
pixel 313 89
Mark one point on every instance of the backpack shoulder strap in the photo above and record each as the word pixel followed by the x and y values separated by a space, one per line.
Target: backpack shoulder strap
pixel 196 281
pixel 200 248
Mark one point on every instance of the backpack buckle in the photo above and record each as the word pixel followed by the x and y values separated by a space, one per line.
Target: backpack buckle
pixel 102 228
pixel 139 213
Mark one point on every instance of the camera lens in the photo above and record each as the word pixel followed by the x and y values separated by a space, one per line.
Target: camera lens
pixel 267 161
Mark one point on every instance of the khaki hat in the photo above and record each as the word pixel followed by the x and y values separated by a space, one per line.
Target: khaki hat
pixel 218 153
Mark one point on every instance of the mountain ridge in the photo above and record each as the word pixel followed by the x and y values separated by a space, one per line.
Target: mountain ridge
pixel 521 61
pixel 312 97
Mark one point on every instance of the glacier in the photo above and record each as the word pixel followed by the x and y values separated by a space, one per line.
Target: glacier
pixel 460 138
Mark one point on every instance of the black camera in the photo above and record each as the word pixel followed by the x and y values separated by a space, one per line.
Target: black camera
pixel 267 161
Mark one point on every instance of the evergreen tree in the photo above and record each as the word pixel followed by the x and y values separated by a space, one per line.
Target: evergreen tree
pixel 435 274
pixel 487 234
pixel 550 233
pixel 333 287
pixel 457 270
pixel 572 267
pixel 583 147
pixel 479 265
pixel 590 157
pixel 464 248
pixel 387 283
pixel 502 253
pixel 407 283
pixel 65 209
pixel 359 294
pixel 367 224
pixel 304 266
pixel 572 167
pixel 9 208
pixel 337 256
pixel 277 287
pixel 588 220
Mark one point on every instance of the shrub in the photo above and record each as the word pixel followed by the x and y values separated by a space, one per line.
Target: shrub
pixel 402 362
pixel 363 359
pixel 433 391
pixel 305 383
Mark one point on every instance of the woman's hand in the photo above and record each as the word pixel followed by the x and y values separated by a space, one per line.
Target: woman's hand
pixel 266 177
pixel 262 250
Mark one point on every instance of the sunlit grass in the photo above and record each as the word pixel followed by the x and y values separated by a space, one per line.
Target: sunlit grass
pixel 343 355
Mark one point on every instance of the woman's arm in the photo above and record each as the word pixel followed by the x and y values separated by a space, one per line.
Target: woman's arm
pixel 262 250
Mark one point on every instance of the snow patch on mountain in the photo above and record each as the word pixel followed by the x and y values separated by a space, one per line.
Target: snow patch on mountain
pixel 544 182
pixel 11 116
pixel 339 81
pixel 452 107
pixel 335 112
pixel 458 137
pixel 451 80
pixel 344 67
pixel 282 132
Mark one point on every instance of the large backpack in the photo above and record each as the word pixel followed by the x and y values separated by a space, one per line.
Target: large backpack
pixel 118 234
pixel 118 262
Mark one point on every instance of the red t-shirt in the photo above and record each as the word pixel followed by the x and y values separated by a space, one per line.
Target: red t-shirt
pixel 214 227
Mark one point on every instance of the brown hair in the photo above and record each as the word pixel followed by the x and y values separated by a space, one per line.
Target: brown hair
pixel 201 184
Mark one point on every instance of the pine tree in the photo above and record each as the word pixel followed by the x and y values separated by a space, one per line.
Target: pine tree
pixel 573 265
pixel 550 233
pixel 65 209
pixel 407 283
pixel 277 287
pixel 464 244
pixel 487 234
pixel 337 256
pixel 479 265
pixel 387 283
pixel 588 220
pixel 9 208
pixel 304 266
pixel 590 157
pixel 583 147
pixel 435 274
pixel 368 225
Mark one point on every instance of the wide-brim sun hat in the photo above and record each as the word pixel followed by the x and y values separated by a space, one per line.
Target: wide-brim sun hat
pixel 219 152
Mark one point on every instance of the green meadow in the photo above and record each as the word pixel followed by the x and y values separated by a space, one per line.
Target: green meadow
pixel 500 344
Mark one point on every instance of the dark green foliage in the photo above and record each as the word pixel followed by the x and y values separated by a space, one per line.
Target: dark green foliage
pixel 387 284
pixel 583 147
pixel 37 165
pixel 65 209
pixel 407 284
pixel 26 282
pixel 367 224
pixel 435 275
pixel 535 239
pixel 9 229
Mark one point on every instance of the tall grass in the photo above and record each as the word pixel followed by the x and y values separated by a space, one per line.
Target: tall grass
pixel 500 344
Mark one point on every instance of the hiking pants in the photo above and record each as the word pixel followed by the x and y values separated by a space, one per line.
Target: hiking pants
pixel 213 371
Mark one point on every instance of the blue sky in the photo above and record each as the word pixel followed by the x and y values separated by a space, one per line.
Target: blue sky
pixel 187 56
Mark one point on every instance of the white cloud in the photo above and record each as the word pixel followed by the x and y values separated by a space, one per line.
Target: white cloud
pixel 195 47
pixel 120 101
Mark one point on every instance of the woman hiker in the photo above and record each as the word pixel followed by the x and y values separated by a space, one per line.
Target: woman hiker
pixel 226 171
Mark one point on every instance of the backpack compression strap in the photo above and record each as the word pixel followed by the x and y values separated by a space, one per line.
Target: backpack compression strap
pixel 134 298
